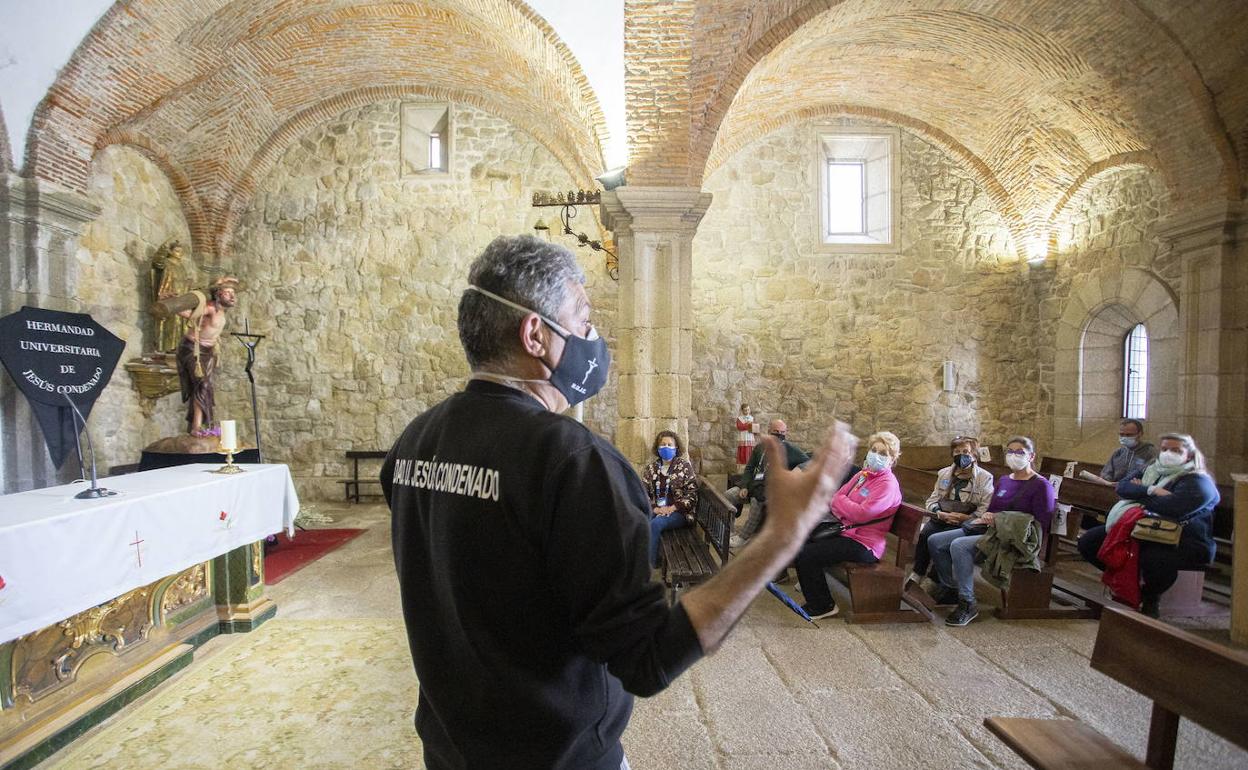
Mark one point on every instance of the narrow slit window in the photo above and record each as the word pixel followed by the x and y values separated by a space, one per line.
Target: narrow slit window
pixel 1135 373
pixel 435 151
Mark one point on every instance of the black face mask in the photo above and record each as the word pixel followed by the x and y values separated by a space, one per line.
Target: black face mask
pixel 963 461
pixel 582 370
pixel 781 436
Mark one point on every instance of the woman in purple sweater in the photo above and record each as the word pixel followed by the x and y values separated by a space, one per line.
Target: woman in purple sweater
pixel 953 552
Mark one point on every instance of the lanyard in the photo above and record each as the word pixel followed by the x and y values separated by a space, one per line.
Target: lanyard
pixel 659 475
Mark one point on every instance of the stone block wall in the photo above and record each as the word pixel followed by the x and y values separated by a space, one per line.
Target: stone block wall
pixel 355 274
pixel 139 211
pixel 1109 271
pixel 803 332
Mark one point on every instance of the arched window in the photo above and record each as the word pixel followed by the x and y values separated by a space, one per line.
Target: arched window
pixel 1135 373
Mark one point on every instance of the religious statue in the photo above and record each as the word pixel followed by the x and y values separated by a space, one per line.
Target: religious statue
pixel 172 275
pixel 197 352
pixel 745 434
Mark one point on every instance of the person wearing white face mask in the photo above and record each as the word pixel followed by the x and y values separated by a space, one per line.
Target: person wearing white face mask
pixel 954 552
pixel 865 506
pixel 1175 487
pixel 1133 454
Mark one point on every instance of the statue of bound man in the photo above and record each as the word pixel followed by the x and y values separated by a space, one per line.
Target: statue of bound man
pixel 197 352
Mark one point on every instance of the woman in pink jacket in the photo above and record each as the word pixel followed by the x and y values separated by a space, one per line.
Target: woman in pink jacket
pixel 865 504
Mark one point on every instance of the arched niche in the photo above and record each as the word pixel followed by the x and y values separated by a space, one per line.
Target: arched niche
pixel 1089 356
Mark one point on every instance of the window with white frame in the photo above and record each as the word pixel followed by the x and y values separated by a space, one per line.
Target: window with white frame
pixel 858 189
pixel 1135 373
pixel 425 144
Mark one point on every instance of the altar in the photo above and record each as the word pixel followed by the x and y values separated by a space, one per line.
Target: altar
pixel 101 599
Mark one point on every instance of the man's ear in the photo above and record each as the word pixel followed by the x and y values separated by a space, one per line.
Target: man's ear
pixel 532 336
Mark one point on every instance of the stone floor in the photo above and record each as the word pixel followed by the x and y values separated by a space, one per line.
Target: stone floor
pixel 328 683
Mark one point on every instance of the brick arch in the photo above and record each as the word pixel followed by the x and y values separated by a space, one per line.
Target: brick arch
pixel 1142 158
pixel 983 175
pixel 271 151
pixel 1098 309
pixel 222 79
pixel 196 220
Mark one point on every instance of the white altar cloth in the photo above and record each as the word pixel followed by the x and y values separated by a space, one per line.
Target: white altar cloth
pixel 60 556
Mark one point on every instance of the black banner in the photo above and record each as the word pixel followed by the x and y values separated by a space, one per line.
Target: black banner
pixel 52 355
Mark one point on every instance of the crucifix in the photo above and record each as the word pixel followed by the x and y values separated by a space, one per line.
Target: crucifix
pixel 138 549
pixel 250 341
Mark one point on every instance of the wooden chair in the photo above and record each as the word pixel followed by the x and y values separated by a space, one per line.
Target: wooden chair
pixel 875 590
pixel 1184 675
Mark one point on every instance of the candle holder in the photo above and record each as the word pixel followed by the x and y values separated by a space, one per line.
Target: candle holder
pixel 229 466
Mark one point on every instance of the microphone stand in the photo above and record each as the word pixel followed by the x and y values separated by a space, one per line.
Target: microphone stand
pixel 251 341
pixel 96 490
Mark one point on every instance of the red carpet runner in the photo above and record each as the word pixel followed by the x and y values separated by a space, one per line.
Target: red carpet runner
pixel 290 556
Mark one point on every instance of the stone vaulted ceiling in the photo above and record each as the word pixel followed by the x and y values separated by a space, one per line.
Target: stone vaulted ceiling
pixel 213 91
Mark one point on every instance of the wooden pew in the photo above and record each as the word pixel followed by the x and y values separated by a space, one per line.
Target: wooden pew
pixel 875 590
pixel 1184 676
pixel 688 552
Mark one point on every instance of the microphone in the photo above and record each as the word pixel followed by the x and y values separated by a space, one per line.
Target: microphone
pixel 96 490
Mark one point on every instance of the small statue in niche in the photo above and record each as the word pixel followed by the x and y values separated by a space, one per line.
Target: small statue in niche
pixel 172 274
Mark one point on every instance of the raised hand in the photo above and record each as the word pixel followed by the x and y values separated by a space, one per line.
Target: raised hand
pixel 797 500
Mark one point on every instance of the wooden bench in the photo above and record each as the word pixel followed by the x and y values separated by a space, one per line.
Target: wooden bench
pixel 876 590
pixel 352 486
pixel 693 554
pixel 1184 676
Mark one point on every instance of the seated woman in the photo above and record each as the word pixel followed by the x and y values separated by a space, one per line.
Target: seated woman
pixel 962 492
pixel 953 552
pixel 1175 487
pixel 865 505
pixel 673 489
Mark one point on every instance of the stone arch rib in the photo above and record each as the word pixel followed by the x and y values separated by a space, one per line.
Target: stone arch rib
pixel 189 199
pixel 1143 158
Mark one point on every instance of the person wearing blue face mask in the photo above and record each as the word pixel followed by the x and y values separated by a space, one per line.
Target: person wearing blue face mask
pixel 520 538
pixel 673 489
pixel 1132 455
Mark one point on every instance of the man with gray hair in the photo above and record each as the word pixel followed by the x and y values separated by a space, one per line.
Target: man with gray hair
pixel 520 538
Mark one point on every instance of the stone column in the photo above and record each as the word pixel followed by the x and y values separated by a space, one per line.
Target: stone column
pixel 39 229
pixel 653 229
pixel 1212 246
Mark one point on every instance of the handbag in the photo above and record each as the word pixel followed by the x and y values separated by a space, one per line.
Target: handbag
pixel 1154 529
pixel 955 506
pixel 826 529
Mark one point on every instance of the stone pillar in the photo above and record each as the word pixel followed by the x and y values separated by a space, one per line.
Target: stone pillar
pixel 39 230
pixel 654 229
pixel 1212 246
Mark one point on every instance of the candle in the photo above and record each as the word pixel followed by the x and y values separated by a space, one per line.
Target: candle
pixel 229 435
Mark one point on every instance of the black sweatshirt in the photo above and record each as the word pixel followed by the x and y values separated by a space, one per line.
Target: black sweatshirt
pixel 520 542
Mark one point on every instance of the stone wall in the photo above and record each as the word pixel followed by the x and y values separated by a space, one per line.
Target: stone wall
pixel 804 333
pixel 139 212
pixel 1109 272
pixel 355 274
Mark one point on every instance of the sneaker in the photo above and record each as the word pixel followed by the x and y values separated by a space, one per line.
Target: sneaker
pixel 1151 606
pixel 815 615
pixel 913 580
pixel 963 615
